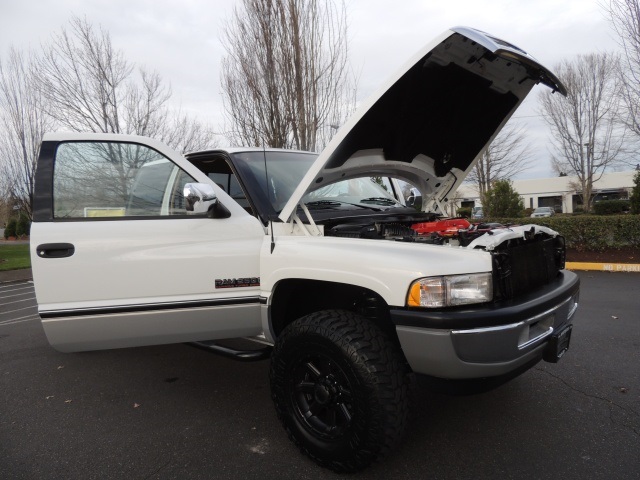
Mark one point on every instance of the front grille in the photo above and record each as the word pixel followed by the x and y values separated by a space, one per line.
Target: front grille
pixel 526 266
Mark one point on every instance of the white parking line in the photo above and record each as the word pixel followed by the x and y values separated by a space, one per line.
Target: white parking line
pixel 14 284
pixel 20 288
pixel 18 295
pixel 13 291
pixel 17 288
pixel 19 301
pixel 19 309
pixel 13 322
pixel 31 315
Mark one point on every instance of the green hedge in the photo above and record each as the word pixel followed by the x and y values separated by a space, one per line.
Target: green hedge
pixel 464 212
pixel 611 207
pixel 589 232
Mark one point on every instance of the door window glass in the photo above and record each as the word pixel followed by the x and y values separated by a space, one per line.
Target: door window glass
pixel 107 179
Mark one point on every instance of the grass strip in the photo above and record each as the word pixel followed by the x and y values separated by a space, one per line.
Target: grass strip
pixel 14 257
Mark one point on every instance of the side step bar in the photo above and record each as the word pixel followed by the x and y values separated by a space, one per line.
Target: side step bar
pixel 241 355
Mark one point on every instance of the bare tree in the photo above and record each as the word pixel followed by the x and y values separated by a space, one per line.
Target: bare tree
pixel 23 121
pixel 584 125
pixel 625 19
pixel 92 87
pixel 285 78
pixel 505 157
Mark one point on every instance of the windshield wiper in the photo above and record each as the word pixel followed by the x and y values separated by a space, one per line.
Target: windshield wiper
pixel 336 203
pixel 321 203
pixel 383 200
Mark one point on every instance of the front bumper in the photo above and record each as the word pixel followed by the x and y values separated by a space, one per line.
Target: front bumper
pixel 490 340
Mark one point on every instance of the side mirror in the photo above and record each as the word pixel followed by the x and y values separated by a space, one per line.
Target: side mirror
pixel 199 197
pixel 414 199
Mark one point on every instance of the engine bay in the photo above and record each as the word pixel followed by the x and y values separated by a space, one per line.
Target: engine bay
pixel 524 257
pixel 451 231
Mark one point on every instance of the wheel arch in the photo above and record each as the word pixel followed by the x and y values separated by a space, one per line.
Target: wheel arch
pixel 294 298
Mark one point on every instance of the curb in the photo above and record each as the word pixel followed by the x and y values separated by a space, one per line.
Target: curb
pixel 603 267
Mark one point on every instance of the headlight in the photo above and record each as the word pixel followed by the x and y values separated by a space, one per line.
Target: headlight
pixel 452 290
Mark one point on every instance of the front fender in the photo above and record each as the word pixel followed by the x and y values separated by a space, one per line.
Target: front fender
pixel 385 267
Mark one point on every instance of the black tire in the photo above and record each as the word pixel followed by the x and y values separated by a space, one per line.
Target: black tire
pixel 340 388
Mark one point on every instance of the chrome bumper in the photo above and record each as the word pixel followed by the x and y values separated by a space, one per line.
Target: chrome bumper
pixel 488 350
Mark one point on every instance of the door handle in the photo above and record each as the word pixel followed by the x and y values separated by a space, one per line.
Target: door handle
pixel 55 250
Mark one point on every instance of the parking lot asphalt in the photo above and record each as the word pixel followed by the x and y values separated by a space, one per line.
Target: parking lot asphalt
pixel 177 412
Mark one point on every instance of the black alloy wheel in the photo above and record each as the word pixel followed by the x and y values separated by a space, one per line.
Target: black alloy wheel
pixel 322 397
pixel 340 388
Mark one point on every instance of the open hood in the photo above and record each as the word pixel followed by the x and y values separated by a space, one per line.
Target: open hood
pixel 431 121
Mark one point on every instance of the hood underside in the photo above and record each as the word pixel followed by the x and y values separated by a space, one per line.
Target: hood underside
pixel 431 121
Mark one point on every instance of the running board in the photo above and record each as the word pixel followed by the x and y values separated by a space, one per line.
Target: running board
pixel 241 355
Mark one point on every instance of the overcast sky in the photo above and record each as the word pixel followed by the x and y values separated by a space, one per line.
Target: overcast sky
pixel 180 39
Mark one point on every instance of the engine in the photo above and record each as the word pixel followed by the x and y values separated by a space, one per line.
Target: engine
pixel 449 231
pixel 524 257
pixel 397 231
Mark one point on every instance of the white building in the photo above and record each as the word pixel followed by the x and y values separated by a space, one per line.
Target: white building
pixel 558 192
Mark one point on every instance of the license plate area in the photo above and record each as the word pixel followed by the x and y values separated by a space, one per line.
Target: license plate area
pixel 558 345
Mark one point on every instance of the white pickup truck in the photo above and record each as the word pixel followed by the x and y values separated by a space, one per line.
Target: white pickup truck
pixel 134 244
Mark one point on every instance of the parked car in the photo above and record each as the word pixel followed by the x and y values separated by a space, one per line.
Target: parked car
pixel 543 212
pixel 304 253
pixel 477 212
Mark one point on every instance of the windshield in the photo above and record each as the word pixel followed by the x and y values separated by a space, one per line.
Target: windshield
pixel 364 190
pixel 285 171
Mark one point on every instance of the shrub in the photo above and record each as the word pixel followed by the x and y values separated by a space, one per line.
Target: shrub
pixel 589 232
pixel 502 200
pixel 635 195
pixel 23 226
pixel 611 207
pixel 464 212
pixel 10 229
pixel 579 211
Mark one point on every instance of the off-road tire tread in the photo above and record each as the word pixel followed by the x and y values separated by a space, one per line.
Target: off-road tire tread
pixel 382 365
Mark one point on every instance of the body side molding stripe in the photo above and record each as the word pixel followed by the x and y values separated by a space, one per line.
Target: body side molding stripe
pixel 148 307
